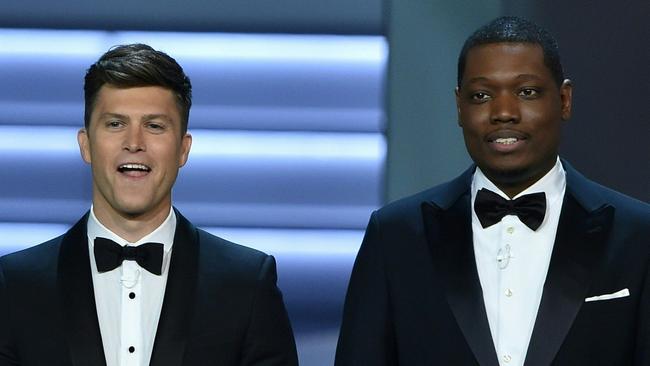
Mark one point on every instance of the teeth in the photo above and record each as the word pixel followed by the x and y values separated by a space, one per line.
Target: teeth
pixel 134 167
pixel 506 140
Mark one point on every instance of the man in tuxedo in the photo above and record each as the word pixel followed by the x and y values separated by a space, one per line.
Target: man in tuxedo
pixel 520 260
pixel 134 282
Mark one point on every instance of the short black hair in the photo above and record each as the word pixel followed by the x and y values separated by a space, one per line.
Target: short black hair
pixel 136 65
pixel 512 29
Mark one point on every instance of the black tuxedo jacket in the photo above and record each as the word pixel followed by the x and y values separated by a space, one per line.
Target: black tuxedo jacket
pixel 221 305
pixel 415 298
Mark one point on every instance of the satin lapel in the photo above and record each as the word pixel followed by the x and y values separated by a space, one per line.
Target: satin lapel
pixel 579 245
pixel 449 236
pixel 180 295
pixel 77 299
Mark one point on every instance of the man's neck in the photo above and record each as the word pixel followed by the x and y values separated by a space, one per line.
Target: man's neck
pixel 514 189
pixel 131 227
pixel 513 184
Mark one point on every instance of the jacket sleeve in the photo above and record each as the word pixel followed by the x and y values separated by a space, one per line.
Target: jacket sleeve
pixel 269 338
pixel 642 356
pixel 7 356
pixel 367 336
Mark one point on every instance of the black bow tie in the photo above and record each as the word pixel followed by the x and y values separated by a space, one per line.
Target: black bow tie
pixel 110 255
pixel 490 208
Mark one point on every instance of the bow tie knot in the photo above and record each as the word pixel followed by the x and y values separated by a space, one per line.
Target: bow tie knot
pixel 490 208
pixel 110 255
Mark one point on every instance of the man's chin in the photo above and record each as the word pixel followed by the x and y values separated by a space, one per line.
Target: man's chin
pixel 134 211
pixel 511 175
pixel 135 208
pixel 133 214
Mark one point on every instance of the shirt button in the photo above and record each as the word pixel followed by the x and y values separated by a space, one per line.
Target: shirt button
pixel 508 292
pixel 132 295
pixel 510 230
pixel 131 349
pixel 507 358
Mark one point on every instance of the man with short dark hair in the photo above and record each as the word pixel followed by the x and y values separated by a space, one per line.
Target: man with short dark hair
pixel 134 282
pixel 520 260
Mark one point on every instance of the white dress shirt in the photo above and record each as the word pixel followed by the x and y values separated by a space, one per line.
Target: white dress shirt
pixel 512 262
pixel 129 298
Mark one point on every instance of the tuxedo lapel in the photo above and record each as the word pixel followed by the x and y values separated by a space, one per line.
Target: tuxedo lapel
pixel 180 295
pixel 77 298
pixel 449 236
pixel 579 246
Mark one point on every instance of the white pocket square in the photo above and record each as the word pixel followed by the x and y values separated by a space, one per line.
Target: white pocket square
pixel 623 293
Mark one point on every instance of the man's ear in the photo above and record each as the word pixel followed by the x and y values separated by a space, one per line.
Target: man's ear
pixel 457 94
pixel 566 97
pixel 186 145
pixel 84 145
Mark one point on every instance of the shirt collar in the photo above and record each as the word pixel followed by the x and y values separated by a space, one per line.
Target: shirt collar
pixel 162 234
pixel 552 184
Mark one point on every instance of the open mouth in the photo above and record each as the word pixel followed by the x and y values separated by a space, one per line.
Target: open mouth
pixel 506 140
pixel 133 169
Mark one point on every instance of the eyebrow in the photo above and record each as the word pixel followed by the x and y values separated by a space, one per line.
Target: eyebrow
pixel 528 76
pixel 149 117
pixel 113 115
pixel 145 118
pixel 518 77
pixel 477 79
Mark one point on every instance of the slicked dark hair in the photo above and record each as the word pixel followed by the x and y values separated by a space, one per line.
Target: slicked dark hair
pixel 510 29
pixel 137 65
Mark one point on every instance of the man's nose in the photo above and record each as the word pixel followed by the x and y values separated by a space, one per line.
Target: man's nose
pixel 134 140
pixel 505 109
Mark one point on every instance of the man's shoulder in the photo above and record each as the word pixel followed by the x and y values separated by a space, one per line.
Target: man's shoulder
pixel 593 195
pixel 40 257
pixel 627 210
pixel 213 246
pixel 442 195
pixel 623 201
pixel 214 243
pixel 219 253
pixel 44 256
